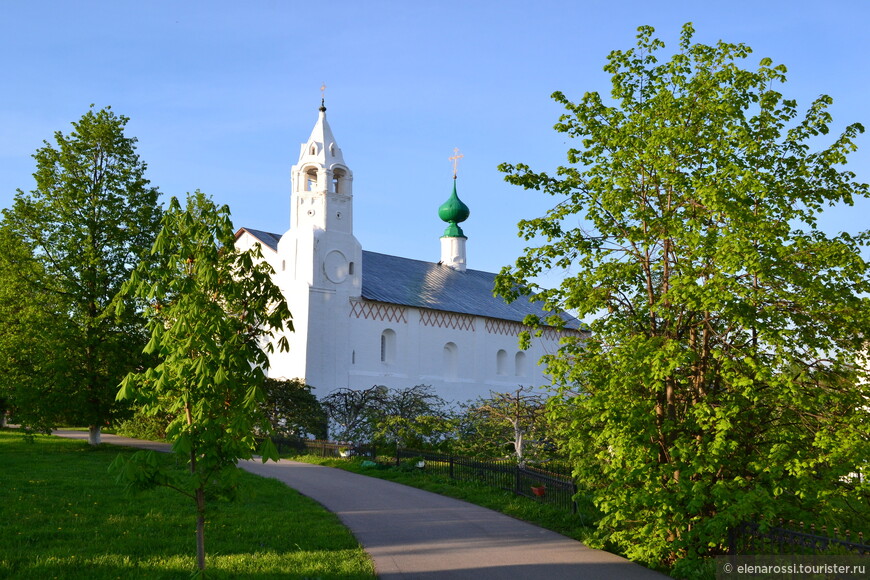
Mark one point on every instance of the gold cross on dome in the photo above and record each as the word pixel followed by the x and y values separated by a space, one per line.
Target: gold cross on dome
pixel 455 159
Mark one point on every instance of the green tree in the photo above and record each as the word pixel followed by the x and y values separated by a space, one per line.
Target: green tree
pixel 413 417
pixel 353 413
pixel 408 416
pixel 30 325
pixel 511 421
pixel 293 410
pixel 212 313
pixel 719 382
pixel 90 218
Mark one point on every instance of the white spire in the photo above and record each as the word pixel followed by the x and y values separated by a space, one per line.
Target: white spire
pixel 321 147
pixel 322 183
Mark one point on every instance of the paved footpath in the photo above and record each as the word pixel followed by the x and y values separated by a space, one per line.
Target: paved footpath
pixel 417 535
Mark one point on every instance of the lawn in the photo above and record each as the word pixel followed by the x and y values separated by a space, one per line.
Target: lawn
pixel 63 516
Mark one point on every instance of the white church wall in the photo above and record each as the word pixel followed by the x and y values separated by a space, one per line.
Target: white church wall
pixel 416 346
pixel 247 242
pixel 337 341
pixel 373 327
pixel 327 339
pixel 289 364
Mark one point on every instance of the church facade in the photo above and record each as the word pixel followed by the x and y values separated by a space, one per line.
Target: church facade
pixel 364 318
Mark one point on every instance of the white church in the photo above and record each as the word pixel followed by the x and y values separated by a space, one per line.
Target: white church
pixel 364 318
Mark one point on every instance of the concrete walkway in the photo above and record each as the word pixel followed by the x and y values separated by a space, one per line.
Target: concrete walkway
pixel 415 534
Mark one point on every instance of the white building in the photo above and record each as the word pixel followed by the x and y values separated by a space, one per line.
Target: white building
pixel 363 318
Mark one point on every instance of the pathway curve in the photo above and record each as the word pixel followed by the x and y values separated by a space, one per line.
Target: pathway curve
pixel 417 535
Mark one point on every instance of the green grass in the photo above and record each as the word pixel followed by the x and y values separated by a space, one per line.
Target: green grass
pixel 577 526
pixel 63 516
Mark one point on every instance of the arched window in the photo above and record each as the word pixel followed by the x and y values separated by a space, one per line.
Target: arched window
pixel 451 360
pixel 520 364
pixel 501 362
pixel 311 179
pixel 338 181
pixel 388 346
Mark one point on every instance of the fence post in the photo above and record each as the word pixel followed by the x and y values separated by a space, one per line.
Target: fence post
pixel 517 479
pixel 573 498
pixel 451 465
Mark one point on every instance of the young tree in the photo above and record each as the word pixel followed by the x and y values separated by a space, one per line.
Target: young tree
pixel 353 413
pixel 413 417
pixel 212 311
pixel 719 381
pixel 515 419
pixel 87 223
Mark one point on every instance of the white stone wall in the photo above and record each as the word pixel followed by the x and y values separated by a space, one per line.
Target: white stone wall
pixel 337 341
pixel 419 352
pixel 288 364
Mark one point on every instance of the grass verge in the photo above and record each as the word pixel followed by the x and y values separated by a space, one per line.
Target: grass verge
pixel 63 516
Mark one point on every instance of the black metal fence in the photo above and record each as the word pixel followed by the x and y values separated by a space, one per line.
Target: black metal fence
pixel 549 487
pixel 315 447
pixel 748 538
pixel 545 486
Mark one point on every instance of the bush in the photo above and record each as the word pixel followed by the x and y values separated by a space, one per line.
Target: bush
pixel 293 410
pixel 141 426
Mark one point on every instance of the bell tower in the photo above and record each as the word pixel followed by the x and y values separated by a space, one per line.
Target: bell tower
pixel 322 184
pixel 319 259
pixel 320 244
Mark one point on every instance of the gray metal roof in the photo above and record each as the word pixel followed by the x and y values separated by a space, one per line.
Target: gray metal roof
pixel 420 284
pixel 270 240
pixel 429 285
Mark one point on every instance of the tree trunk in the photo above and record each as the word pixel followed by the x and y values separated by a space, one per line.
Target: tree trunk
pixel 518 442
pixel 200 528
pixel 200 502
pixel 94 435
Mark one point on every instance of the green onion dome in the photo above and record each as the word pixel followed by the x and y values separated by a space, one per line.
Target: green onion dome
pixel 453 211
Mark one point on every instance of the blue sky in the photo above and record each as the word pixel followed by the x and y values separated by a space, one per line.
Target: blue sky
pixel 221 94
